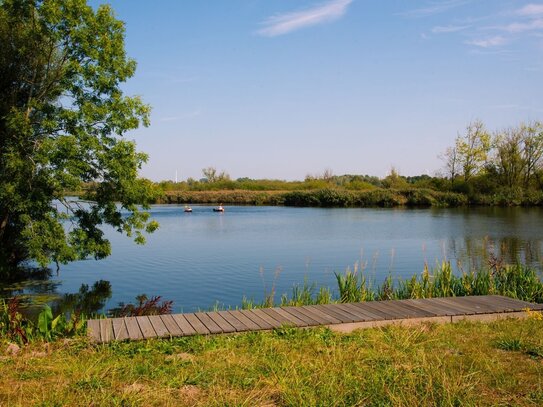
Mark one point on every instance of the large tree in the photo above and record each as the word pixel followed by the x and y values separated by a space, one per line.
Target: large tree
pixel 62 115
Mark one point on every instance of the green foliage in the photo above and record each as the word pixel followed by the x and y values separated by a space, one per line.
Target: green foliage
pixel 62 112
pixel 354 285
pixel 18 328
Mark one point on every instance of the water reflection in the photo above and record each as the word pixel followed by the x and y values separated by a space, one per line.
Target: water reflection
pixel 204 258
pixel 36 287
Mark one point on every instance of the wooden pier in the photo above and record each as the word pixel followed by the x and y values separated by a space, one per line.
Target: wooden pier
pixel 339 317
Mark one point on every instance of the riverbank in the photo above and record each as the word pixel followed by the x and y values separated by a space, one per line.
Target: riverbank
pixel 319 198
pixel 330 197
pixel 453 364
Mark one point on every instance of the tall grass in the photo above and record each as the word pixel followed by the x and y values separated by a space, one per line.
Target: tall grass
pixel 355 285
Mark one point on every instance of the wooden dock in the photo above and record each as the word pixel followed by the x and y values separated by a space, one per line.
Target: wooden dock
pixel 339 317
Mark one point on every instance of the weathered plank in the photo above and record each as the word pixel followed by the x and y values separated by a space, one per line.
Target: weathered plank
pixel 376 310
pixel 221 322
pixel 146 327
pixel 295 311
pixel 93 330
pixel 262 323
pixel 134 331
pixel 362 315
pixel 232 320
pixel 344 317
pixel 319 315
pixel 209 323
pixel 184 325
pixel 269 320
pixel 415 312
pixel 430 308
pixel 198 326
pixel 171 325
pixel 119 329
pixel 242 317
pixel 456 307
pixel 284 318
pixel 519 304
pixel 159 326
pixel 106 330
pixel 335 312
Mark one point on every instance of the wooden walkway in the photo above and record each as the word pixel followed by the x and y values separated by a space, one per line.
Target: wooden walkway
pixel 339 317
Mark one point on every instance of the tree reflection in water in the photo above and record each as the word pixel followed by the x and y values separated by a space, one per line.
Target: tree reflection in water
pixel 36 287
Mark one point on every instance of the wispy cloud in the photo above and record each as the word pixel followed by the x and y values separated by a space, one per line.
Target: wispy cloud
pixel 522 27
pixel 284 23
pixel 434 7
pixel 449 29
pixel 488 42
pixel 531 10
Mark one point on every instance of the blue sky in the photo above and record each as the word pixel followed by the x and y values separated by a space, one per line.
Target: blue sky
pixel 281 89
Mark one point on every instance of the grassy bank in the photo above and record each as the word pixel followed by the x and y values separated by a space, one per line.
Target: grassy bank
pixel 327 197
pixel 456 364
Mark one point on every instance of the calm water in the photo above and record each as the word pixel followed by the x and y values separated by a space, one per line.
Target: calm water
pixel 204 258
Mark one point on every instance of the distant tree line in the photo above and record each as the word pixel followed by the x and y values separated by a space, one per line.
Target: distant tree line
pixel 500 168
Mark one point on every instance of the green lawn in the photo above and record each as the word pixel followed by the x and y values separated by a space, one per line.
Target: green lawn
pixel 499 363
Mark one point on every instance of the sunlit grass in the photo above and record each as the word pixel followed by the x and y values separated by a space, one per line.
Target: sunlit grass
pixel 453 364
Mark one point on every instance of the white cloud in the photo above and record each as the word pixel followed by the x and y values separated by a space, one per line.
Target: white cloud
pixel 522 27
pixel 434 8
pixel 449 29
pixel 284 23
pixel 488 42
pixel 530 10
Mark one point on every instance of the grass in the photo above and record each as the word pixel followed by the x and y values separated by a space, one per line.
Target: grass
pixel 322 197
pixel 354 285
pixel 453 364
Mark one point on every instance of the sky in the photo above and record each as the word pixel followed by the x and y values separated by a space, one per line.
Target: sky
pixel 283 89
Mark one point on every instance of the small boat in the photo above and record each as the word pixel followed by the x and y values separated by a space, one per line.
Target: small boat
pixel 218 209
pixel 188 209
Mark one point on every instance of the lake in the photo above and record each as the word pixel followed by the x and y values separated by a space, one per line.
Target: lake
pixel 203 258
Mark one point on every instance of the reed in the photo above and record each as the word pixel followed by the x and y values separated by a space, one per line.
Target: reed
pixel 355 285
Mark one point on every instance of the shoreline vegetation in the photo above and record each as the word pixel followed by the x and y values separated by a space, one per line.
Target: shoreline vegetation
pixel 465 363
pixel 503 168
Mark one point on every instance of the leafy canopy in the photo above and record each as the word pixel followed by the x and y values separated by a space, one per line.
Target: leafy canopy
pixel 62 115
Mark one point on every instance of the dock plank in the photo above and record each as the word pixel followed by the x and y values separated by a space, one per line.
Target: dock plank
pixel 362 315
pixel 295 311
pixel 208 322
pixel 221 322
pixel 171 325
pixel 93 330
pixel 146 327
pixel 134 331
pixel 343 317
pixel 198 326
pixel 106 330
pixel 240 316
pixel 232 320
pixel 283 317
pixel 335 312
pixel 321 317
pixel 375 310
pixel 184 324
pixel 159 326
pixel 430 308
pixel 457 307
pixel 275 323
pixel 119 329
pixel 256 318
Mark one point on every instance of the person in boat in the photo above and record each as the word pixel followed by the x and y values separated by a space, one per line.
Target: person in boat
pixel 220 208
